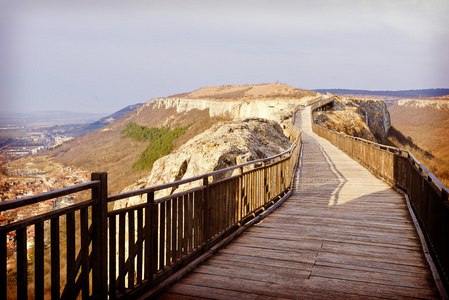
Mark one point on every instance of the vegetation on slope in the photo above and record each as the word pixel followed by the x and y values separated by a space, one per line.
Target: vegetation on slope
pixel 160 142
pixel 425 133
pixel 105 150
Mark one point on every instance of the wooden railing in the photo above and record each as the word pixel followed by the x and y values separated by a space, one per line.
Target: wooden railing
pixel 124 252
pixel 427 195
pixel 83 263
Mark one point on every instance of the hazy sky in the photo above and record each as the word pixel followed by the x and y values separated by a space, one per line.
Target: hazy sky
pixel 99 56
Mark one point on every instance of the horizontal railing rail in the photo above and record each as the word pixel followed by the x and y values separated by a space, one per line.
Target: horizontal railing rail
pixel 427 195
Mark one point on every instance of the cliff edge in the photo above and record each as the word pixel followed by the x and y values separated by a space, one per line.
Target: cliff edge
pixel 225 144
pixel 365 118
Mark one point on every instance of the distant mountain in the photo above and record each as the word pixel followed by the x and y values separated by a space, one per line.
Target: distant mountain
pixel 396 94
pixel 83 128
pixel 109 119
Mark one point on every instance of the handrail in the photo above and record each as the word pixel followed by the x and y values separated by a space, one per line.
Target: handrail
pixel 47 196
pixel 427 195
pixel 199 177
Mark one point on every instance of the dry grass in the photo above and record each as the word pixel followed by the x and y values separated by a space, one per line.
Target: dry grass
pixel 105 151
pixel 427 136
pixel 247 92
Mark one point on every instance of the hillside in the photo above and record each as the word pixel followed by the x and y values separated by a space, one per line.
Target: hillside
pixel 223 145
pixel 423 130
pixel 107 150
pixel 74 130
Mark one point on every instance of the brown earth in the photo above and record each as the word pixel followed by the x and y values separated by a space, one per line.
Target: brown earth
pixel 247 92
pixel 423 131
pixel 104 150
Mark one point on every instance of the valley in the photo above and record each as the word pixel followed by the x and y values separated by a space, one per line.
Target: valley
pixel 422 127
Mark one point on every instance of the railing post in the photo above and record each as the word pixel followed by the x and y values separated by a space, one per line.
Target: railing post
pixel 206 211
pixel 265 198
pixel 151 255
pixel 240 191
pixel 99 238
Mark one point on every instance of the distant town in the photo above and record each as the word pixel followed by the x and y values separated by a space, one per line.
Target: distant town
pixel 18 180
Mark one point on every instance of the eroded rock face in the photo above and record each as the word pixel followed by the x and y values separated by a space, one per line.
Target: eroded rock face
pixel 225 144
pixel 277 110
pixel 441 105
pixel 376 114
pixel 367 119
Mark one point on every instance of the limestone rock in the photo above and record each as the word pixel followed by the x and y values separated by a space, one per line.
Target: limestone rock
pixel 437 104
pixel 367 119
pixel 225 144
pixel 271 109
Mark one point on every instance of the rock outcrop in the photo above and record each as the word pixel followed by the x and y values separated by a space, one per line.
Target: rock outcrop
pixel 225 144
pixel 276 110
pixel 365 118
pixel 437 104
pixel 269 101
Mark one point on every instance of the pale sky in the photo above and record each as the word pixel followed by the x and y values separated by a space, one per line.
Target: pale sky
pixel 100 56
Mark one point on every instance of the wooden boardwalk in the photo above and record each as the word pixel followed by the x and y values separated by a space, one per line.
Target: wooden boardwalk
pixel 342 234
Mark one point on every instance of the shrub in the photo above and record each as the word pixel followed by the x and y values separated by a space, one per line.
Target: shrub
pixel 160 142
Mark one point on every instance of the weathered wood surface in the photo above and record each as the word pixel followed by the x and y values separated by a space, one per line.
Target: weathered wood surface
pixel 342 234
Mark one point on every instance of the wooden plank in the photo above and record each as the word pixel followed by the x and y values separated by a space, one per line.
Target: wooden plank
pixel 277 244
pixel 174 224
pixel 264 289
pixel 180 228
pixel 168 240
pixel 39 261
pixel 70 285
pixel 372 276
pixel 3 265
pixel 255 267
pixel 364 262
pixel 172 296
pixel 84 251
pixel 203 292
pixel 131 250
pixel 263 261
pixel 55 260
pixel 397 242
pixel 22 263
pixel 121 254
pixel 303 257
pixel 139 246
pixel 112 254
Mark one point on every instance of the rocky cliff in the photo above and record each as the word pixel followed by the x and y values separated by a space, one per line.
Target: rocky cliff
pixel 364 118
pixel 436 104
pixel 268 101
pixel 225 144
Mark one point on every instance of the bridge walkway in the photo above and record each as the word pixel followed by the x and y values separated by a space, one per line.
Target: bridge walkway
pixel 342 234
